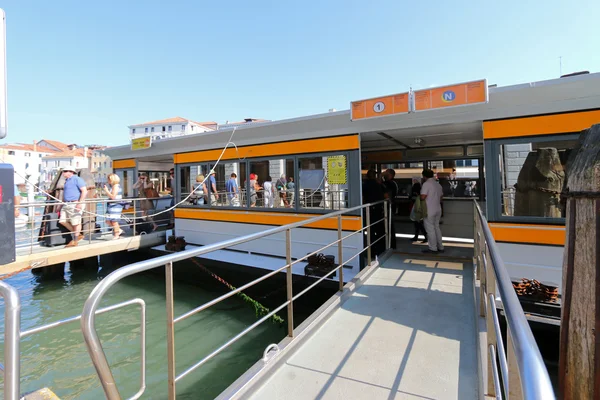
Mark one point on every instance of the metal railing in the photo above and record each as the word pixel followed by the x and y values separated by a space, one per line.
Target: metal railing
pixel 523 374
pixel 94 222
pixel 88 321
pixel 321 199
pixel 13 335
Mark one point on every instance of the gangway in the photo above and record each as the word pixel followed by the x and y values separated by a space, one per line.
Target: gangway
pixel 407 330
pixel 404 327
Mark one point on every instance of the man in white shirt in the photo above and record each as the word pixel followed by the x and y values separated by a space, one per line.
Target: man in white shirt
pixel 432 193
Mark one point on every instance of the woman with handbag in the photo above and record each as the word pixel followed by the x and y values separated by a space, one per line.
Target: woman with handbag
pixel 416 212
pixel 114 209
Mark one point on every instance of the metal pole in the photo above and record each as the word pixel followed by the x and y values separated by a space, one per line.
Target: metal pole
pixel 340 255
pixel 491 332
pixel 135 218
pixel 368 236
pixel 290 293
pixel 32 222
pixel 92 229
pixel 515 390
pixel 12 321
pixel 3 95
pixel 170 330
pixel 387 228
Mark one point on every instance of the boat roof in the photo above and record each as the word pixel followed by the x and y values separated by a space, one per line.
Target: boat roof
pixel 446 126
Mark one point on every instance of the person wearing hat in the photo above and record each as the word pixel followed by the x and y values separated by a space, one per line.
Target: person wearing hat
pixel 212 188
pixel 71 210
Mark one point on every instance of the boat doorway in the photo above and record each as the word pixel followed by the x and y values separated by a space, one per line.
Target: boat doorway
pixel 457 164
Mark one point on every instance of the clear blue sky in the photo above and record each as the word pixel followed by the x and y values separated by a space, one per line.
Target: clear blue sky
pixel 81 71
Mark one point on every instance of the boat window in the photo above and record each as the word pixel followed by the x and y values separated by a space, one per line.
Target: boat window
pixel 271 183
pixel 323 182
pixel 475 150
pixel 226 181
pixel 533 177
pixel 458 178
pixel 405 174
pixel 159 179
pixel 435 152
pixel 190 180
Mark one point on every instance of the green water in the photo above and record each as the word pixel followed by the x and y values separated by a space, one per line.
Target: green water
pixel 58 359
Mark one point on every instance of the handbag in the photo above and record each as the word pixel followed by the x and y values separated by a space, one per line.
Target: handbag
pixel 413 213
pixel 420 209
pixel 151 193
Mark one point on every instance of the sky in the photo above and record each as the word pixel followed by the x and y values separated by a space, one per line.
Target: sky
pixel 82 71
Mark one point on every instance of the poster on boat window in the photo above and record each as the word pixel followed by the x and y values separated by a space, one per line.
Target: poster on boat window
pixel 336 170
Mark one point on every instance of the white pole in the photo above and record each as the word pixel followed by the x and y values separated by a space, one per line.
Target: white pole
pixel 3 94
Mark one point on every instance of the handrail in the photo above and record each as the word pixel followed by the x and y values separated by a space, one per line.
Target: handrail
pixel 99 199
pixel 12 326
pixel 534 379
pixel 27 237
pixel 88 323
pixel 13 335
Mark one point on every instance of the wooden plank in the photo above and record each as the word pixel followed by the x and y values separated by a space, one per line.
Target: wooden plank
pixel 58 255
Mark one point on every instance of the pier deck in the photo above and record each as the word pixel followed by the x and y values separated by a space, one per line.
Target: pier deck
pixel 409 332
pixel 40 256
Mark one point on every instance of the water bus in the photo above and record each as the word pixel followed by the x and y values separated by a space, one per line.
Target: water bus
pixel 506 147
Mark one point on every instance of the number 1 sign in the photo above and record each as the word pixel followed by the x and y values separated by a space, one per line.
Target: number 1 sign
pixel 380 106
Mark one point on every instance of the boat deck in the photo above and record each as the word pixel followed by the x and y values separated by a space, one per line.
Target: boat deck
pixel 408 332
pixel 41 256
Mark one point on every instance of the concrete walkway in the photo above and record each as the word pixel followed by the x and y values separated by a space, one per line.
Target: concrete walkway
pixel 407 333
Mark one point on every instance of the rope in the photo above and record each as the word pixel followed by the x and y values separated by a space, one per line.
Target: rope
pixel 60 202
pixel 10 275
pixel 259 309
pixel 580 194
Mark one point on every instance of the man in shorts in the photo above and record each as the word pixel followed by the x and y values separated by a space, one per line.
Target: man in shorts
pixel 74 194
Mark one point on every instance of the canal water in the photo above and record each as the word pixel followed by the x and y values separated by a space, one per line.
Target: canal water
pixel 58 359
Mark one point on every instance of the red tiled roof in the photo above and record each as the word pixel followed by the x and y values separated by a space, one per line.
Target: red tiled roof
pixel 27 147
pixel 55 143
pixel 247 122
pixel 174 120
pixel 206 123
pixel 70 153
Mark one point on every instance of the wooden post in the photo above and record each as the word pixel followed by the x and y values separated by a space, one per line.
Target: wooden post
pixel 579 363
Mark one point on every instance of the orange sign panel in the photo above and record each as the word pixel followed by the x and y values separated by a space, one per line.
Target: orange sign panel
pixel 380 106
pixel 451 96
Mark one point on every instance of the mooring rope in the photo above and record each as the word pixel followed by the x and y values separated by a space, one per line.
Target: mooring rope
pixel 259 308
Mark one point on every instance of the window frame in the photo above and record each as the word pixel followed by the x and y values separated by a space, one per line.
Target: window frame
pixel 494 176
pixel 207 206
pixel 354 188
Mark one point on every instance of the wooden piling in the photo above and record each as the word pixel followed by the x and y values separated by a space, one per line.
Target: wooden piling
pixel 579 363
